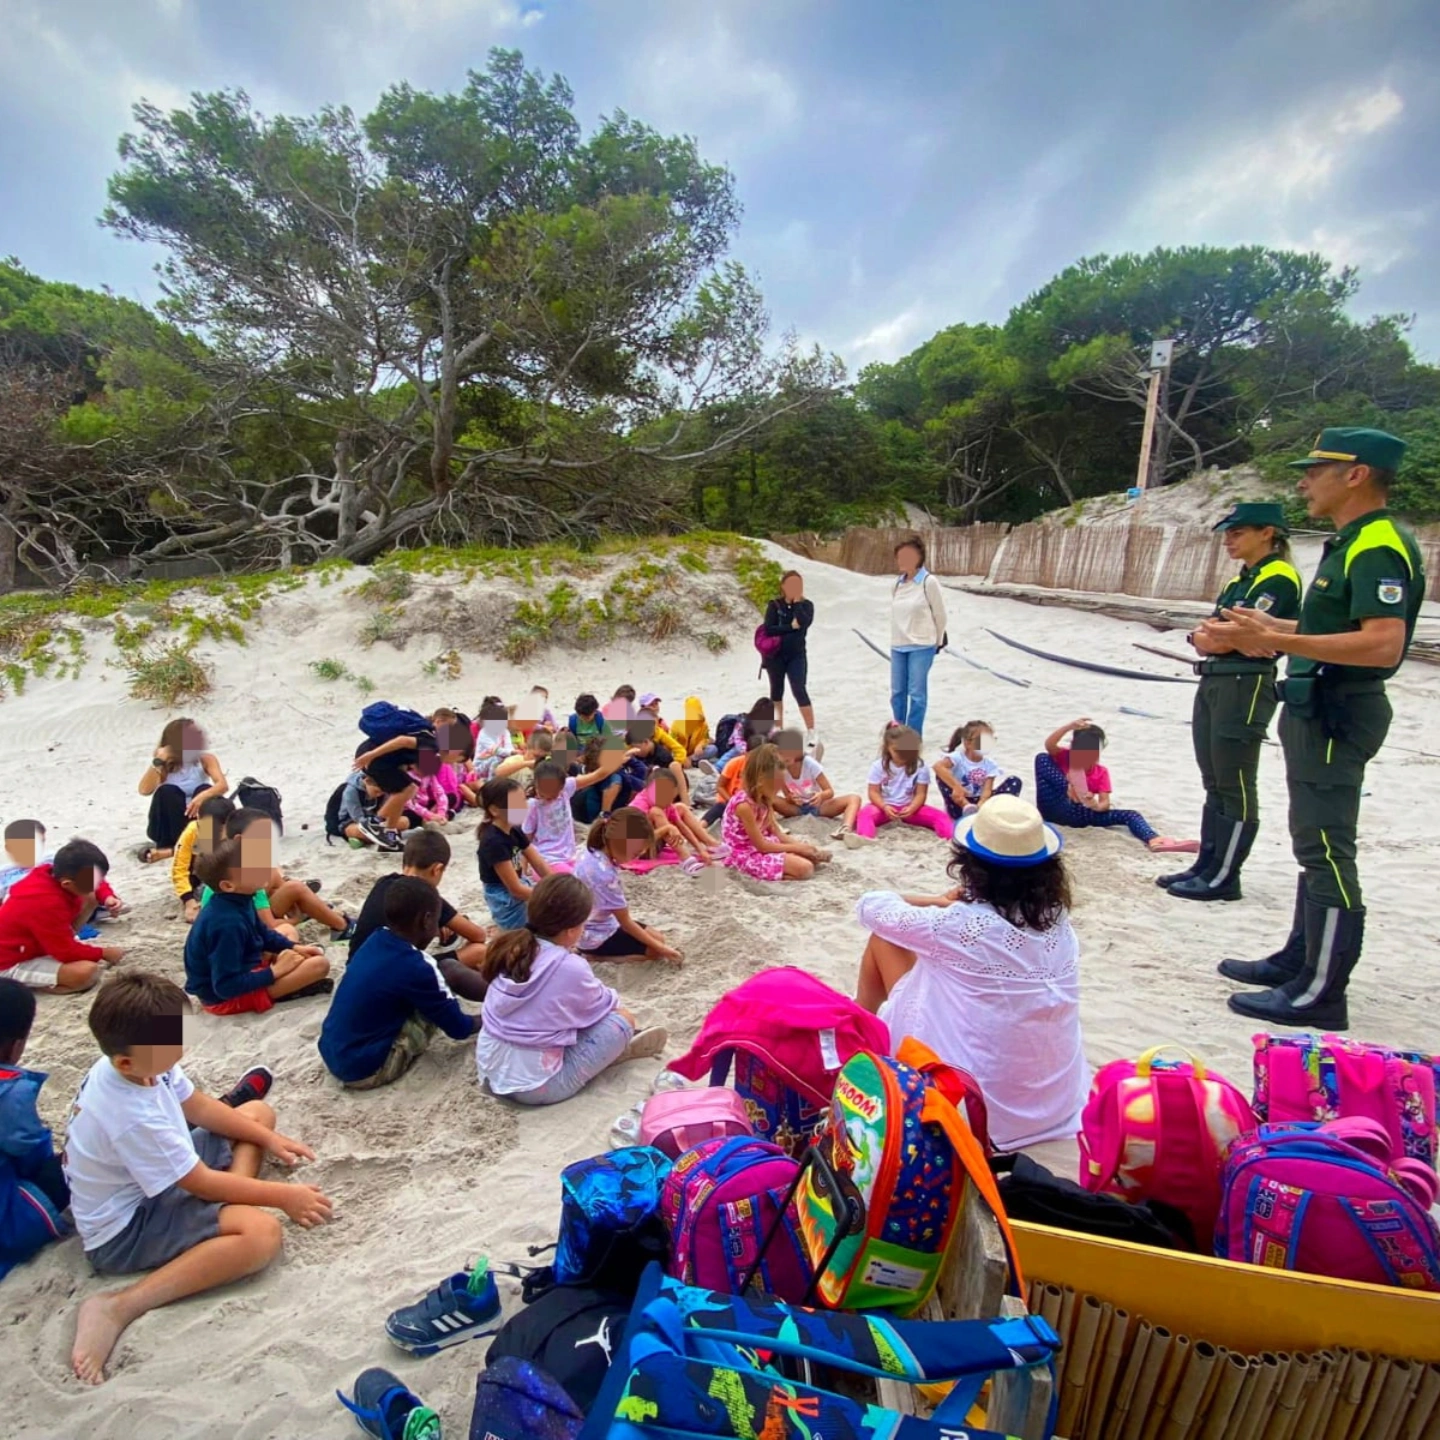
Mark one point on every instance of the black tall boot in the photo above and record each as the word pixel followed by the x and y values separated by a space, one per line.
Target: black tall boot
pixel 1286 963
pixel 1221 879
pixel 1208 816
pixel 1315 998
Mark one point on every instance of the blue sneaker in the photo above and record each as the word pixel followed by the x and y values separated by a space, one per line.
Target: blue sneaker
pixel 87 932
pixel 456 1310
pixel 384 1408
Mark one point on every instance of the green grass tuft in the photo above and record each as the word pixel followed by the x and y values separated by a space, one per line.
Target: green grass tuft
pixel 168 676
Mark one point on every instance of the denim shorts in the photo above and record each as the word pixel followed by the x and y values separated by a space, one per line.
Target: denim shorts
pixel 508 911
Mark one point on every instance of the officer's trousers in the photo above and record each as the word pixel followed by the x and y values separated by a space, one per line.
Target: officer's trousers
pixel 1231 715
pixel 1325 759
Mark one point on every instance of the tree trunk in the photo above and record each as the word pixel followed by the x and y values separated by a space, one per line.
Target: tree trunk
pixel 7 557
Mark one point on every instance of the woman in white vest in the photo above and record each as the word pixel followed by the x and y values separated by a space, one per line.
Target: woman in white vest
pixel 917 633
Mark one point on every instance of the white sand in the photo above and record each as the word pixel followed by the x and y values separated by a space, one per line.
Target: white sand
pixel 428 1173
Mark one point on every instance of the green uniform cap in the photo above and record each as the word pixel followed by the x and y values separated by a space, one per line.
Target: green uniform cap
pixel 1257 513
pixel 1352 446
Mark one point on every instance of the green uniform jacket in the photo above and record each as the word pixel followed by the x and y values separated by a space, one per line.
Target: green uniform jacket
pixel 1372 568
pixel 1273 588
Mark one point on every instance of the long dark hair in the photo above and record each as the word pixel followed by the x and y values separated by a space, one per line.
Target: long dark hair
pixel 1030 897
pixel 495 792
pixel 172 737
pixel 557 904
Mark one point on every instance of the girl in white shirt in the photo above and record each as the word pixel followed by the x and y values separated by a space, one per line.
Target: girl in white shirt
pixel 988 974
pixel 804 790
pixel 898 784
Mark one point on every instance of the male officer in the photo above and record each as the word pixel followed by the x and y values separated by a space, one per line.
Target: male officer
pixel 1356 622
pixel 1235 702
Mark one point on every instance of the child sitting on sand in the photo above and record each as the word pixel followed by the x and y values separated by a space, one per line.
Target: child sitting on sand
pixel 586 721
pixel 540 704
pixel 25 849
pixel 427 857
pixel 33 1192
pixel 162 1176
pixel 693 732
pixel 1073 788
pixel 805 789
pixel 612 932
pixel 495 753
pixel 757 845
pixel 968 774
pixel 549 820
pixel 898 783
pixel 359 814
pixel 38 921
pixel 550 1026
pixel 234 964
pixel 392 998
pixel 500 844
pixel 622 771
pixel 676 824
pixel 199 837
pixel 280 903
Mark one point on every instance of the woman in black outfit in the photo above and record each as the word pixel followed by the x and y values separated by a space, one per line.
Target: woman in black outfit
pixel 788 617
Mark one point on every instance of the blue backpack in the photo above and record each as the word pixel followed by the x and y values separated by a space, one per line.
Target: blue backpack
pixel 689 1366
pixel 518 1400
pixel 381 721
pixel 610 1224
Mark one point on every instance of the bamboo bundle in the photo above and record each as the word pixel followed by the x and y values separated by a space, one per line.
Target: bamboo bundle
pixel 1259 1397
pixel 1157 1354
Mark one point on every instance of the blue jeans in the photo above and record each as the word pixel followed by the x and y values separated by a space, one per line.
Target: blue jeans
pixel 595 1049
pixel 909 686
pixel 507 910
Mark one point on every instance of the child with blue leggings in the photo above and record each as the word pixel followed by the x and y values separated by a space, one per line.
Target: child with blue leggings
pixel 1073 788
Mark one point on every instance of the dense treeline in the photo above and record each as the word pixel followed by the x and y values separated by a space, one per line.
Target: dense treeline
pixel 458 318
pixel 1003 422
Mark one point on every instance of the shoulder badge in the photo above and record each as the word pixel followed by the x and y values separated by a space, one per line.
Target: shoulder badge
pixel 1321 582
pixel 1265 602
pixel 1391 592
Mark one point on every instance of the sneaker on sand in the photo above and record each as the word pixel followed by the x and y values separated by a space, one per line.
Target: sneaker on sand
pixel 706 767
pixel 316 987
pixel 379 836
pixel 348 933
pixel 646 1044
pixel 456 1310
pixel 254 1084
pixel 384 1408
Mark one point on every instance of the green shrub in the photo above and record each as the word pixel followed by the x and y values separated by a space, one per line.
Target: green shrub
pixel 387 585
pixel 330 669
pixel 715 642
pixel 380 626
pixel 168 676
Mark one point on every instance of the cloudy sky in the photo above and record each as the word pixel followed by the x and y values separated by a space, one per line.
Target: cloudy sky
pixel 904 164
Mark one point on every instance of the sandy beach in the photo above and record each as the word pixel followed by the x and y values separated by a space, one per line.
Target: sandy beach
pixel 429 1173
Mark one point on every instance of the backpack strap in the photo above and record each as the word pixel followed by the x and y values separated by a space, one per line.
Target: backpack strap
pixel 938 1109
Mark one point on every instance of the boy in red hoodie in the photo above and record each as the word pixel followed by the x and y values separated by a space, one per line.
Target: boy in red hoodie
pixel 38 945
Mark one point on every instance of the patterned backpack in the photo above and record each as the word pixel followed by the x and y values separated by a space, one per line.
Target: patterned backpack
pixel 1309 1077
pixel 610 1226
pixel 1328 1200
pixel 1159 1130
pixel 883 1185
pixel 730 1214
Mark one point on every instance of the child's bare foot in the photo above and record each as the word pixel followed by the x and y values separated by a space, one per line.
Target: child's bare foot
pixel 97 1327
pixel 854 840
pixel 1161 845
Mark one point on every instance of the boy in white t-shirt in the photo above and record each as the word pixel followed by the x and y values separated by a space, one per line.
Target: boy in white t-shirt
pixel 154 1181
pixel 807 791
pixel 968 774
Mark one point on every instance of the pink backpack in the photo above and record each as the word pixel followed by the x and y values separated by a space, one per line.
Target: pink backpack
pixel 719 1203
pixel 1328 1200
pixel 1159 1130
pixel 678 1120
pixel 1309 1077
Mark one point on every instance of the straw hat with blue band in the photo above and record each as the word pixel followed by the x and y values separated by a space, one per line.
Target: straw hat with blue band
pixel 1007 830
pixel 1258 513
pixel 1347 445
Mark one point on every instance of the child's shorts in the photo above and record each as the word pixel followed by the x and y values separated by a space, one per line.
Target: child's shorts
pixel 616 946
pixel 507 910
pixel 41 973
pixel 252 1002
pixel 168 1224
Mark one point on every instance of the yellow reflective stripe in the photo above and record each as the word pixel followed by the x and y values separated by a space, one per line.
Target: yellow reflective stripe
pixel 1379 535
pixel 1340 884
pixel 1329 751
pixel 1255 699
pixel 1276 567
pixel 1329 455
pixel 1244 800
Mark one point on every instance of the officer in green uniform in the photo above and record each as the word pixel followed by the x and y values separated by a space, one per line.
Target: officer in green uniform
pixel 1356 623
pixel 1234 704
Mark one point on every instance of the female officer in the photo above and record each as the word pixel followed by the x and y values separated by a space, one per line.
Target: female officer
pixel 1234 703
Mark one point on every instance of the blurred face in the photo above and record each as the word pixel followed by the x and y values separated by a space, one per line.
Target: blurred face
pixel 26 850
pixel 494 726
pixel 257 848
pixel 667 792
pixel 792 588
pixel 82 884
pixel 904 754
pixel 548 788
pixel 567 748
pixel 635 839
pixel 979 741
pixel 1084 760
pixel 145 1062
pixel 907 557
pixel 194 742
pixel 428 763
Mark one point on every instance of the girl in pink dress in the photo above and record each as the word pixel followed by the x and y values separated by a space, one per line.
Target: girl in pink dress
pixel 757 846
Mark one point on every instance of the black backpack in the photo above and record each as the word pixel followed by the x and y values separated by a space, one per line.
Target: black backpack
pixel 724 729
pixel 571 1332
pixel 250 794
pixel 1036 1195
pixel 334 830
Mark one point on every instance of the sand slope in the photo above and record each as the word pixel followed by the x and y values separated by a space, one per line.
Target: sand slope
pixel 428 1173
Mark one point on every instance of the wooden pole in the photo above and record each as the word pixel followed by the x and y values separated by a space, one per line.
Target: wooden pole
pixel 1147 441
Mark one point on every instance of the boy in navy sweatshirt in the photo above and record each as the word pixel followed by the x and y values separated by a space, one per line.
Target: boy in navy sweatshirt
pixel 33 1191
pixel 233 964
pixel 392 998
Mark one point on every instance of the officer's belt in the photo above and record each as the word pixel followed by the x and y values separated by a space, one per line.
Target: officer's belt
pixel 1226 665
